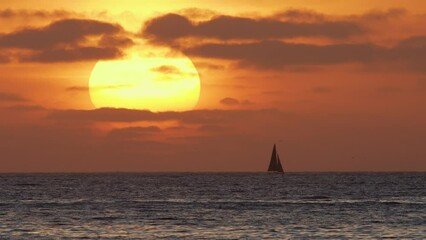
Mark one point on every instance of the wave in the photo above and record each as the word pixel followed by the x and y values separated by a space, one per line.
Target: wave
pixel 303 200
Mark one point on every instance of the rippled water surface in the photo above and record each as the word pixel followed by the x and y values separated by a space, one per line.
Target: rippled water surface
pixel 206 206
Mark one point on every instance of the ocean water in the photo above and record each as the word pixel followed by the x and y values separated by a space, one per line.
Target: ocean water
pixel 213 206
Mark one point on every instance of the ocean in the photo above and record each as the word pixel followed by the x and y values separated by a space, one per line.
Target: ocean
pixel 213 206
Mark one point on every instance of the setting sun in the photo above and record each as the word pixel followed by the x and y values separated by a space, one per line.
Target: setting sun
pixel 153 83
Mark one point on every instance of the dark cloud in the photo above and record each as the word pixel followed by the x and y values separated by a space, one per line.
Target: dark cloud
pixel 300 15
pixel 380 15
pixel 11 13
pixel 68 31
pixel 305 15
pixel 282 25
pixel 85 88
pixel 129 115
pixel 68 40
pixel 73 55
pixel 409 53
pixel 117 41
pixel 227 27
pixel 105 115
pixel 11 97
pixel 229 101
pixel 210 66
pixel 275 54
pixel 413 42
pixel 77 89
pixel 167 69
pixel 170 27
pixel 270 48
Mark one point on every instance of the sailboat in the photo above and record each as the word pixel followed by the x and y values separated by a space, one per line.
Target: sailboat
pixel 275 164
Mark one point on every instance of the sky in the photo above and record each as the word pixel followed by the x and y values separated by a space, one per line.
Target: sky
pixel 337 85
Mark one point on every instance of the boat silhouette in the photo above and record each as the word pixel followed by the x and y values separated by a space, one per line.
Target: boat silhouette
pixel 275 163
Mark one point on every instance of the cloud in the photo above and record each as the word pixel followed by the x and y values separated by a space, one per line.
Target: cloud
pixel 129 115
pixel 77 89
pixel 408 54
pixel 300 15
pixel 105 115
pixel 11 97
pixel 306 15
pixel 12 13
pixel 72 55
pixel 413 42
pixel 209 66
pixel 291 23
pixel 167 69
pixel 288 40
pixel 117 41
pixel 68 31
pixel 228 101
pixel 167 28
pixel 170 27
pixel 68 40
pixel 380 15
pixel 85 88
pixel 276 54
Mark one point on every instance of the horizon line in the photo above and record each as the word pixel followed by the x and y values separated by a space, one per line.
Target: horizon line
pixel 201 172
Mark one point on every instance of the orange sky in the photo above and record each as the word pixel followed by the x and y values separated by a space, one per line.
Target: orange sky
pixel 339 86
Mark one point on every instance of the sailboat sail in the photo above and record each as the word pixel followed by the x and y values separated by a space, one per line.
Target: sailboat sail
pixel 275 163
pixel 279 167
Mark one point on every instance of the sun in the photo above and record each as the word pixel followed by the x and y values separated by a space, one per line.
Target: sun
pixel 151 83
